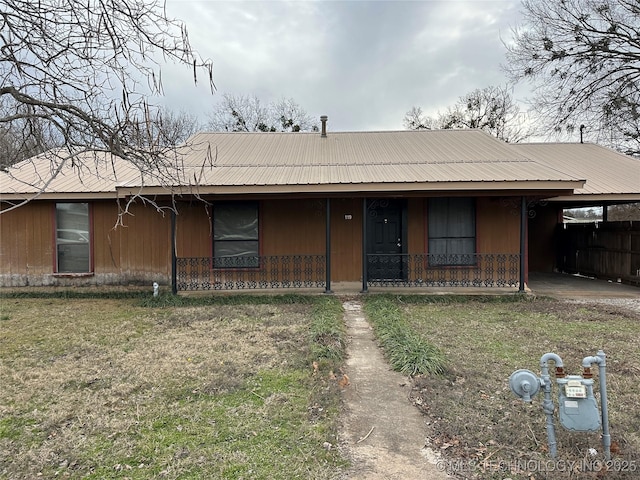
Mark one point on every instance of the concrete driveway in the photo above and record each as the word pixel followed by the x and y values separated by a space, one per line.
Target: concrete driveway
pixel 564 286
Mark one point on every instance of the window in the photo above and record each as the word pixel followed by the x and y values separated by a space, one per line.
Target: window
pixel 452 231
pixel 73 253
pixel 235 235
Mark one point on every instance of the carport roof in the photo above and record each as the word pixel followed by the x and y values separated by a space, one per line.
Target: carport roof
pixel 611 176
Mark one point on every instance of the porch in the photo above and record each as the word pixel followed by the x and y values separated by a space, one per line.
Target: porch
pixel 413 242
pixel 556 285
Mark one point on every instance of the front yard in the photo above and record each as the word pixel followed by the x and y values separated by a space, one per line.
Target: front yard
pixel 110 388
pixel 126 386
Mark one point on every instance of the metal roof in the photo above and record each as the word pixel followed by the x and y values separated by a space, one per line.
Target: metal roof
pixel 91 174
pixel 359 158
pixel 305 162
pixel 610 175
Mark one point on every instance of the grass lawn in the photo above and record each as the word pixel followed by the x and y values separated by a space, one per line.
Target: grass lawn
pixel 476 422
pixel 238 387
pixel 113 387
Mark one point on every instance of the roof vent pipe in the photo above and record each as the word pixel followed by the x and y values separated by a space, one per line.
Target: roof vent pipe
pixel 581 130
pixel 323 120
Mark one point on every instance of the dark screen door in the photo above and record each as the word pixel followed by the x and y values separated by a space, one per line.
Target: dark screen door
pixel 385 239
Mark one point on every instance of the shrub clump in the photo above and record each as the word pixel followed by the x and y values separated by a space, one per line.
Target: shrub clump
pixel 408 352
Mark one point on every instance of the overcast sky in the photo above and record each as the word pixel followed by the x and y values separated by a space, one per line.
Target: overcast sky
pixel 364 64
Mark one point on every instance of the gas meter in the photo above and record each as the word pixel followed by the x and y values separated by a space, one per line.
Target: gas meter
pixel 578 408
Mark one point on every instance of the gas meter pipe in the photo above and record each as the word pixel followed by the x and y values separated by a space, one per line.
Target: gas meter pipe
pixel 547 404
pixel 600 359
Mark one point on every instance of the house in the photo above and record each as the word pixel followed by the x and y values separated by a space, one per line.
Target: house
pixel 274 210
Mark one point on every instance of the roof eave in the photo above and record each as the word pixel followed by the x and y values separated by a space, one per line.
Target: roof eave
pixel 595 198
pixel 59 196
pixel 562 187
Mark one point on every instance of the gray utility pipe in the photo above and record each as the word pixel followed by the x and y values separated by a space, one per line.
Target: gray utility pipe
pixel 547 404
pixel 600 359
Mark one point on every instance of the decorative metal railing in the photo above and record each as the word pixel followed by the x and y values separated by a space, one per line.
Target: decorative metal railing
pixel 444 270
pixel 309 271
pixel 251 272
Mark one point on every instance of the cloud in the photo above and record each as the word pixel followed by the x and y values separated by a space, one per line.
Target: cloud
pixel 362 63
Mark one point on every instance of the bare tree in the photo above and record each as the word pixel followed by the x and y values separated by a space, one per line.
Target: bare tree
pixel 239 114
pixel 291 117
pixel 583 58
pixel 73 70
pixel 168 128
pixel 492 109
pixel 20 139
pixel 415 119
pixel 245 113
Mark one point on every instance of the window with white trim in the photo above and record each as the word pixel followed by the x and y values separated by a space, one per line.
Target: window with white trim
pixel 452 231
pixel 235 235
pixel 73 242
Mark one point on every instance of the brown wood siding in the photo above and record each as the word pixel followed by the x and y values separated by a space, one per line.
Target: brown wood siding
pixel 27 240
pixel 346 239
pixel 145 244
pixel 417 228
pixel 106 238
pixel 193 230
pixel 292 227
pixel 497 225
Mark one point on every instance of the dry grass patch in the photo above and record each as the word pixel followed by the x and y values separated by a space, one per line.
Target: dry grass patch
pixel 106 388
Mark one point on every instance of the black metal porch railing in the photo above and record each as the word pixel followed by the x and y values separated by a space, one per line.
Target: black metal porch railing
pixel 444 270
pixel 250 272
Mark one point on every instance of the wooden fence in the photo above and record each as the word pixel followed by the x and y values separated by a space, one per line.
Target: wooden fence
pixel 609 250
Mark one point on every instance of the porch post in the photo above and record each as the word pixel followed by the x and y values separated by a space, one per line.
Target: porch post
pixel 364 246
pixel 328 248
pixel 523 239
pixel 174 259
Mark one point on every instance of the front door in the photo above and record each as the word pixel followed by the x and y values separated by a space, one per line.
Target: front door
pixel 386 238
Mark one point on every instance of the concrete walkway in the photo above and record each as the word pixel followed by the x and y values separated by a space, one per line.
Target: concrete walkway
pixel 383 433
